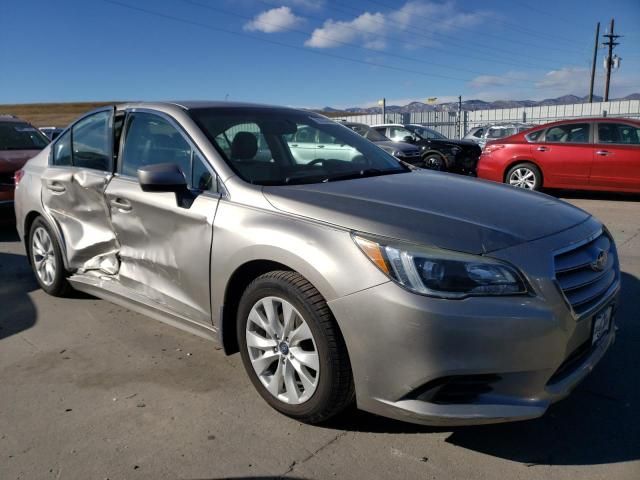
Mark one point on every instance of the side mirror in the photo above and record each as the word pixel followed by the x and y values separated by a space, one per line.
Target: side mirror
pixel 408 139
pixel 162 177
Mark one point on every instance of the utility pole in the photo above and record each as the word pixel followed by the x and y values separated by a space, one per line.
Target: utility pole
pixel 460 127
pixel 383 104
pixel 611 42
pixel 593 65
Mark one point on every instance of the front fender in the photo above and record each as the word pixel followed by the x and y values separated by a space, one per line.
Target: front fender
pixel 324 254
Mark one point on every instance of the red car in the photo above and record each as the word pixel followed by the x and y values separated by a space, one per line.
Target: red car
pixel 19 141
pixel 583 154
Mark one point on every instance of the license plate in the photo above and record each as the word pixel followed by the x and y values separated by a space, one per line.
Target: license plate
pixel 601 324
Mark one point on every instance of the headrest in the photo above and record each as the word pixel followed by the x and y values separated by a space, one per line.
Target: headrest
pixel 244 146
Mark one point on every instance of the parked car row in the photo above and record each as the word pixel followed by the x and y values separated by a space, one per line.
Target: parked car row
pixel 339 274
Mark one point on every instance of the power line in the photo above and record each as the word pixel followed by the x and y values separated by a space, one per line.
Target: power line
pixel 491 58
pixel 340 42
pixel 517 27
pixel 281 44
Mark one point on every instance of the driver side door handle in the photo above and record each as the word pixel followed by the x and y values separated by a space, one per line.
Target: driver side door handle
pixel 55 187
pixel 121 204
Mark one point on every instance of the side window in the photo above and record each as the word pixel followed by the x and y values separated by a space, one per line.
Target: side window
pixel 572 133
pixel 534 136
pixel 478 133
pixel 92 142
pixel 618 133
pixel 150 139
pixel 201 177
pixel 62 151
pixel 397 134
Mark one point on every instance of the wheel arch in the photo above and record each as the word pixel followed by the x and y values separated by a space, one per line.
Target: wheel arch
pixel 517 161
pixel 28 222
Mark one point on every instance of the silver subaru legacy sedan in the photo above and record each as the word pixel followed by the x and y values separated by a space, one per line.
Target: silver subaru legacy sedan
pixel 418 295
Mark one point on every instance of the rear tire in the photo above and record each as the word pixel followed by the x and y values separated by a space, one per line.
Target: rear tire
pixel 524 175
pixel 306 376
pixel 46 259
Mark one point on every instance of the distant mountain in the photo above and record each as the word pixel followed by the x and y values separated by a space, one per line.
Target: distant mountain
pixel 473 105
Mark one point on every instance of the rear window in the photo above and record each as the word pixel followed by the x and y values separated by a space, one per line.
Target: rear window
pixel 21 136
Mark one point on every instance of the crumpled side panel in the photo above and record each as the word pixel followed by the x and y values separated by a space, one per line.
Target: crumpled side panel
pixel 165 249
pixel 76 201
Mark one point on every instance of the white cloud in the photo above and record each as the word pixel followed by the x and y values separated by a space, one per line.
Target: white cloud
pixel 274 20
pixel 568 78
pixel 306 4
pixel 369 28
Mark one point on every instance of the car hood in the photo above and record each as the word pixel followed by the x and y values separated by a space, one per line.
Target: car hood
pixel 391 146
pixel 12 160
pixel 432 208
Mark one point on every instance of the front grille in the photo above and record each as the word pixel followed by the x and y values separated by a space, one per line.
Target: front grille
pixel 410 154
pixel 584 275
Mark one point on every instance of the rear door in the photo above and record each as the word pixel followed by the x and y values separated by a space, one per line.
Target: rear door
pixel 73 186
pixel 616 159
pixel 165 241
pixel 566 155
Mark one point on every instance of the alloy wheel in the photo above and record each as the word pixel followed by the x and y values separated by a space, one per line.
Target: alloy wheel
pixel 523 177
pixel 43 255
pixel 282 350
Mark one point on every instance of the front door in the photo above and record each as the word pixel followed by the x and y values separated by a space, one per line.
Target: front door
pixel 566 155
pixel 81 165
pixel 616 157
pixel 165 241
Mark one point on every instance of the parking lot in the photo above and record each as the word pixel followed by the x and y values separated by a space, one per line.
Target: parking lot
pixel 91 390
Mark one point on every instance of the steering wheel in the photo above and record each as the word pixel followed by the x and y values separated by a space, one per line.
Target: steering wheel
pixel 316 161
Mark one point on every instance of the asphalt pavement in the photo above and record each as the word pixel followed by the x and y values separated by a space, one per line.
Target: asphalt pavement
pixel 90 390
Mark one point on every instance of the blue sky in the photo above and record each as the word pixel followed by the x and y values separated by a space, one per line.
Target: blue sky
pixel 309 53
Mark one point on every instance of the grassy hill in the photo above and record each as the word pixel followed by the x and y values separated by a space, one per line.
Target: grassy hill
pixel 51 114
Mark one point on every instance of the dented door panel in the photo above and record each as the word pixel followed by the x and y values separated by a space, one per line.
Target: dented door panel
pixel 164 248
pixel 74 198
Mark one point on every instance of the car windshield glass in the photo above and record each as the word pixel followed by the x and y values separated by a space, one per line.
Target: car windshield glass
pixel 426 133
pixel 287 147
pixel 21 136
pixel 501 132
pixel 367 132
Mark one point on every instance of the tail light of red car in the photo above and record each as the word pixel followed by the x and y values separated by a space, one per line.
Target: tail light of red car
pixel 492 148
pixel 17 176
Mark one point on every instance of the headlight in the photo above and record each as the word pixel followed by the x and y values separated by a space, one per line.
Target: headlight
pixel 397 153
pixel 441 273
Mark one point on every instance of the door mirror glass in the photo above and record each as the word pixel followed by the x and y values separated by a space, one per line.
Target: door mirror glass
pixel 162 177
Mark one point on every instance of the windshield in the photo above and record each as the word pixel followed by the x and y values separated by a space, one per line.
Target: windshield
pixel 367 132
pixel 426 133
pixel 501 132
pixel 281 147
pixel 21 136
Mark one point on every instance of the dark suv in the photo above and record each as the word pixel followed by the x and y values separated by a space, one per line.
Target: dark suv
pixel 438 152
pixel 19 141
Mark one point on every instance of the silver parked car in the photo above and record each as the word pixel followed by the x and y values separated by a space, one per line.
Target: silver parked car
pixel 337 279
pixel 495 132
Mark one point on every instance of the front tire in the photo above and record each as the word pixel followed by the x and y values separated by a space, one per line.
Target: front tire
pixel 292 349
pixel 524 175
pixel 46 259
pixel 433 161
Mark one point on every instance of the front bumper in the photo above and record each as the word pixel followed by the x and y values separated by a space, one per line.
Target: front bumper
pixel 401 343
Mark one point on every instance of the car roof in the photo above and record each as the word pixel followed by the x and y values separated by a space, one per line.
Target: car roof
pixel 588 120
pixel 202 104
pixel 11 119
